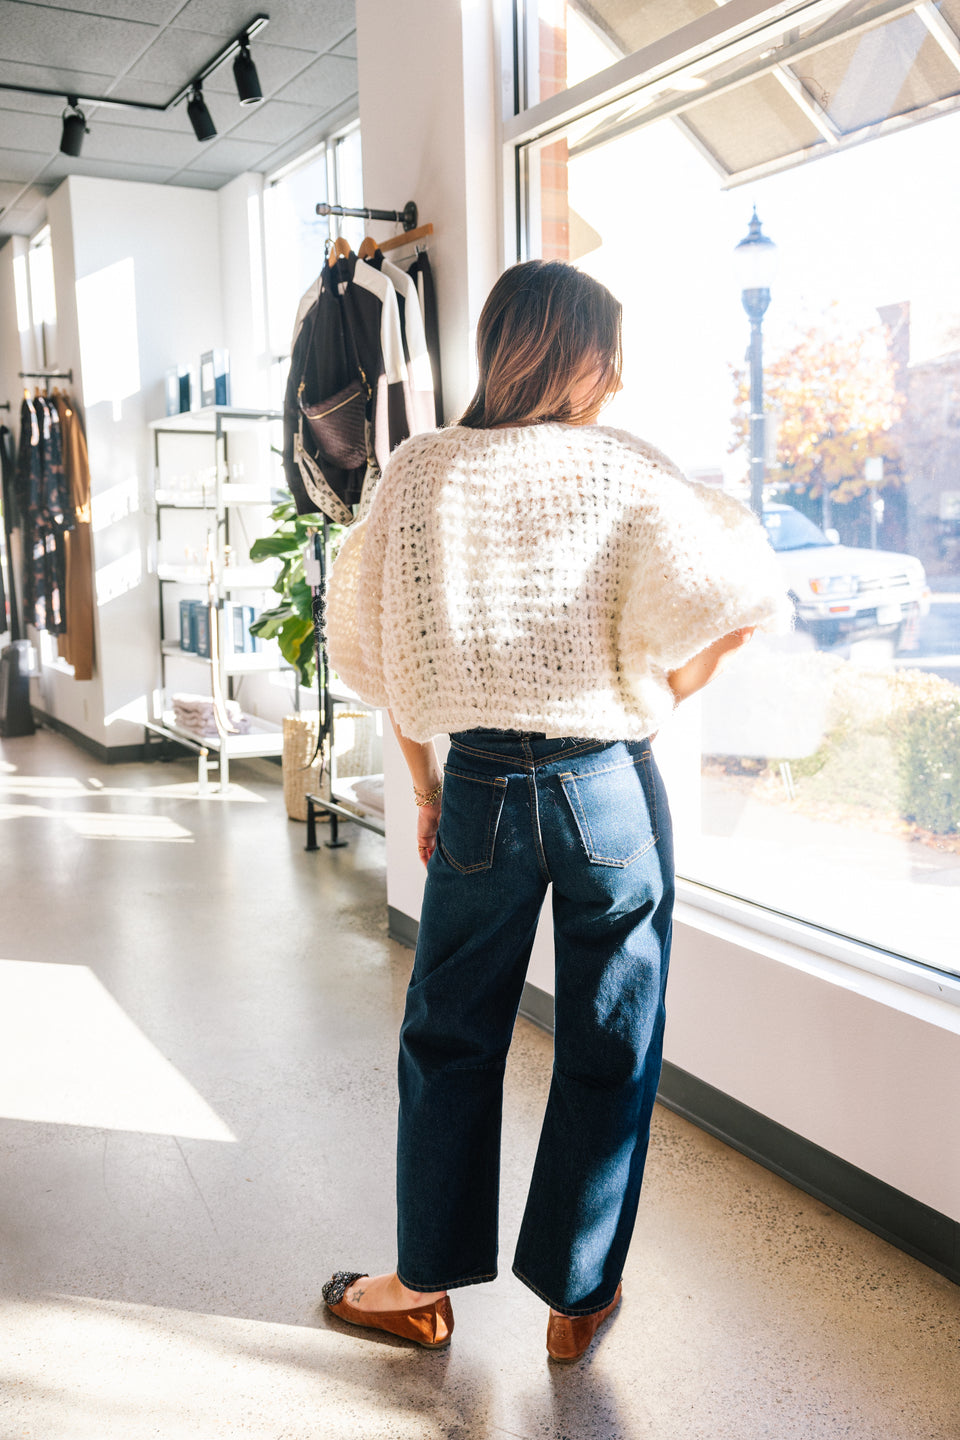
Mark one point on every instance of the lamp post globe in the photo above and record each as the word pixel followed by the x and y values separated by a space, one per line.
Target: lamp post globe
pixel 756 257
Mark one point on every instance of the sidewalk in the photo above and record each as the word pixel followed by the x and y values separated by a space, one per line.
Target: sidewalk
pixel 846 877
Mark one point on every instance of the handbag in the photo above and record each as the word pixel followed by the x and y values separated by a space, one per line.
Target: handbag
pixel 338 423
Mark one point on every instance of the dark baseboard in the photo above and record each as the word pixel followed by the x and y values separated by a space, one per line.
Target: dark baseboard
pixel 400 927
pixel 106 754
pixel 898 1218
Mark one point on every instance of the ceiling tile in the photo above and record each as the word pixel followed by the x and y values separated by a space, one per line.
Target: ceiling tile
pixel 28 216
pixel 202 179
pixel 347 47
pixel 315 27
pixel 274 121
pixel 20 222
pixel 29 132
pixel 32 195
pixel 70 39
pixel 60 166
pixel 49 77
pixel 230 156
pixel 173 57
pixel 172 122
pixel 325 83
pixel 150 11
pixel 134 145
pixel 10 191
pixel 153 92
pixel 22 164
pixel 31 104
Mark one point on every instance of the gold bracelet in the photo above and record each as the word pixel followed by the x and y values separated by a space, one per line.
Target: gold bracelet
pixel 427 797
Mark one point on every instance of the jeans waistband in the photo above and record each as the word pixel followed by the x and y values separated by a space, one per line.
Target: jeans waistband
pixel 484 730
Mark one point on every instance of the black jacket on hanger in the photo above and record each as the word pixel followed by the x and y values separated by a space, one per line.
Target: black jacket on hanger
pixel 332 334
pixel 423 274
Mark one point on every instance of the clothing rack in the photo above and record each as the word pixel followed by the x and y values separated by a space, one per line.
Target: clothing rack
pixel 46 375
pixel 407 217
pixel 5 405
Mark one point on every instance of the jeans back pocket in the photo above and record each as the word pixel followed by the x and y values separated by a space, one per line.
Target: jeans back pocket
pixel 469 816
pixel 615 810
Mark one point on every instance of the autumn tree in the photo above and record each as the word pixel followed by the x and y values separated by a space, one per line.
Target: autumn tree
pixel 834 400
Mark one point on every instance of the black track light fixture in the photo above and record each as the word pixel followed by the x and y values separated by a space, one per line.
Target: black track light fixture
pixel 245 74
pixel 200 117
pixel 74 128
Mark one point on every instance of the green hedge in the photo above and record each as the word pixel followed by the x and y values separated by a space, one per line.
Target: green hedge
pixel 926 734
pixel 892 744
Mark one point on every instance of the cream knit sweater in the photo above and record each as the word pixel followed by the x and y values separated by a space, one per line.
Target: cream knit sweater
pixel 540 578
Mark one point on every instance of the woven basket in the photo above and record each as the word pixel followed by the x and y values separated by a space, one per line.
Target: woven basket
pixel 357 748
pixel 301 776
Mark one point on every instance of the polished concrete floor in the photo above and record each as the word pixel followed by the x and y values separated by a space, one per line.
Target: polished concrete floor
pixel 197 1036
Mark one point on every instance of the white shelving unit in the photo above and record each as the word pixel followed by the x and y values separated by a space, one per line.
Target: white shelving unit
pixel 222 578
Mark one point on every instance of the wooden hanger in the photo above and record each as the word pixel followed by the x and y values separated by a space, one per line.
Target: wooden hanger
pixel 407 238
pixel 340 249
pixel 368 248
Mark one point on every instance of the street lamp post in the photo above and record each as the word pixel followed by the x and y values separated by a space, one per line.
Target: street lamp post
pixel 756 256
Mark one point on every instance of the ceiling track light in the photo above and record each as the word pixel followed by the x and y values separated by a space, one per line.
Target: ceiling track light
pixel 245 74
pixel 74 128
pixel 200 117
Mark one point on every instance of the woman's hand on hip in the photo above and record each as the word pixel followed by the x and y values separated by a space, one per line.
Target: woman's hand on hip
pixel 428 821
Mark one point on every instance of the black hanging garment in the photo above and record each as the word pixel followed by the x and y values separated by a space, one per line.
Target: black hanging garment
pixel 46 512
pixel 347 325
pixel 9 609
pixel 421 272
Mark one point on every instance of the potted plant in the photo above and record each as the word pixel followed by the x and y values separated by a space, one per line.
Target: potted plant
pixel 290 621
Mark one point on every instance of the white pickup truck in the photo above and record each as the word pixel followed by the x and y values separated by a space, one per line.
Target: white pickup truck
pixel 842 592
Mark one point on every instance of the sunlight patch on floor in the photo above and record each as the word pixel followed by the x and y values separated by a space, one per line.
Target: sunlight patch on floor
pixel 70 1055
pixel 87 1368
pixel 114 825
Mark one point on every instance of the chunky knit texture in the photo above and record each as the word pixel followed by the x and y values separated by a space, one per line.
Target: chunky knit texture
pixel 541 578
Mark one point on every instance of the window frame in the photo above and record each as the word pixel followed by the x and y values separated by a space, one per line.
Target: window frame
pixel 736 25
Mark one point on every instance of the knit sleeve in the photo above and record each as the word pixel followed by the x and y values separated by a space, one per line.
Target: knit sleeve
pixel 706 568
pixel 354 620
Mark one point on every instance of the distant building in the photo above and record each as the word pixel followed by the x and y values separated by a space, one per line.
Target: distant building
pixel 928 438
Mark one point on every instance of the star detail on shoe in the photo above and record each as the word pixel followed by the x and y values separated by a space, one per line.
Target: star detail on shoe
pixel 335 1288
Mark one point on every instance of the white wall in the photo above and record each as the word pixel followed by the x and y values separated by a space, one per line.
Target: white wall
pixel 427 81
pixel 159 245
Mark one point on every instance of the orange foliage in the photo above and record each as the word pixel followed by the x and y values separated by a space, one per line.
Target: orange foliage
pixel 833 392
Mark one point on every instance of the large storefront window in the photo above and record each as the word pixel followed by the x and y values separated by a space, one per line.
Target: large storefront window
pixel 827 784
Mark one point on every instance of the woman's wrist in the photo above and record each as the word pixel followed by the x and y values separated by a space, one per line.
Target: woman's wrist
pixel 428 795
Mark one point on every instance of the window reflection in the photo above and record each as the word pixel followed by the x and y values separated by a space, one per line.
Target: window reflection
pixel 829 784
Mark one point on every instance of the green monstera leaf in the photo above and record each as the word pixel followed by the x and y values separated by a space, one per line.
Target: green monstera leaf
pixel 290 622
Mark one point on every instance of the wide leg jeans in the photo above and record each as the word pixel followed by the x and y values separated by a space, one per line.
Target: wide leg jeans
pixel 518 814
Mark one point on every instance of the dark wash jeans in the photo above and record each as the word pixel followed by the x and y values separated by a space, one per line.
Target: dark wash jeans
pixel 519 812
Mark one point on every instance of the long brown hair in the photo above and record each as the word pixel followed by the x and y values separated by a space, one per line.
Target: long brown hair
pixel 544 327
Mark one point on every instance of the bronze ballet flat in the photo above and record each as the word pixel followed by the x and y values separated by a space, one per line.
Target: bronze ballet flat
pixel 429 1325
pixel 569 1336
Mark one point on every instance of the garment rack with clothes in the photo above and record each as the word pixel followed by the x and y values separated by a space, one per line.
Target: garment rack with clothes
pixel 338 804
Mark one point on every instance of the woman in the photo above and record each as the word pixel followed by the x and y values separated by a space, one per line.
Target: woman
pixel 544 591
